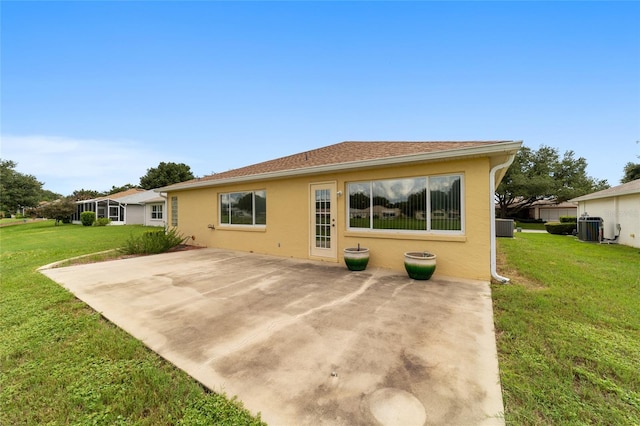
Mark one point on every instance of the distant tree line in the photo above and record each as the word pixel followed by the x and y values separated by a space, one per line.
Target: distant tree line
pixel 543 175
pixel 415 202
pixel 535 175
pixel 20 192
pixel 631 172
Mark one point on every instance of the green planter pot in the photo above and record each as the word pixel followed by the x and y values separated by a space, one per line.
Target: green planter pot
pixel 420 265
pixel 356 258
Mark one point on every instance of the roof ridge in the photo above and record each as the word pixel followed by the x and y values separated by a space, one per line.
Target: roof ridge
pixel 345 152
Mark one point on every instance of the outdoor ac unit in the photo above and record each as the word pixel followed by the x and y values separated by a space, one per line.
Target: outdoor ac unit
pixel 504 228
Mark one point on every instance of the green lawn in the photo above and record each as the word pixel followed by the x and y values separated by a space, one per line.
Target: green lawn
pixel 568 334
pixel 568 331
pixel 62 363
pixel 12 221
pixel 527 225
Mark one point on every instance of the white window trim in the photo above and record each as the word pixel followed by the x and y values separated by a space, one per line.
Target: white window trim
pixel 240 226
pixel 161 206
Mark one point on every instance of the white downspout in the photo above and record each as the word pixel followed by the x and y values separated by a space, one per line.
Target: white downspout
pixel 165 209
pixel 492 192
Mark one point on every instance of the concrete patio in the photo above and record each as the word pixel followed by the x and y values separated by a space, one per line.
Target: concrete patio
pixel 305 342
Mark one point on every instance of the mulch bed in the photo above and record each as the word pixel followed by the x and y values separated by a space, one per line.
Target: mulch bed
pixel 183 247
pixel 88 259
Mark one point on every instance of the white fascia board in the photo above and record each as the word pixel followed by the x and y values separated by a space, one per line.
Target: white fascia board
pixel 479 151
pixel 94 200
pixel 605 194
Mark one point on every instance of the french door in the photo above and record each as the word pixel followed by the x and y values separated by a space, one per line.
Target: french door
pixel 323 229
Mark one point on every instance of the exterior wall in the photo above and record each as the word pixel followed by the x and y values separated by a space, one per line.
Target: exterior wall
pixel 287 231
pixel 148 221
pixel 134 214
pixel 623 210
pixel 552 214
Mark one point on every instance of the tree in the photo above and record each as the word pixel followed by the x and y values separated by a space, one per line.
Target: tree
pixel 61 210
pixel 571 179
pixel 46 195
pixel 543 175
pixel 359 201
pixel 165 174
pixel 85 194
pixel 631 172
pixel 16 189
pixel 246 202
pixel 115 189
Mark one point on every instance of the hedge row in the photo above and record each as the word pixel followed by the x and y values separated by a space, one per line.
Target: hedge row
pixel 558 228
pixel 89 219
pixel 568 219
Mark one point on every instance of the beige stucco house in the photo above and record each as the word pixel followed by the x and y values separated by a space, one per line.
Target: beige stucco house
pixel 551 211
pixel 617 206
pixel 391 197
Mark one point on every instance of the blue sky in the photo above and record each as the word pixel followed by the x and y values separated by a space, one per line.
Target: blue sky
pixel 95 93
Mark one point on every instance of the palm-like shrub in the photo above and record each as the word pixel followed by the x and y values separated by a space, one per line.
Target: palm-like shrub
pixel 153 242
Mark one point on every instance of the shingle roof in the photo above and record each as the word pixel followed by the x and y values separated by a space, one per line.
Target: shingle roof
pixel 343 153
pixel 632 187
pixel 115 196
pixel 140 197
pixel 121 194
pixel 553 203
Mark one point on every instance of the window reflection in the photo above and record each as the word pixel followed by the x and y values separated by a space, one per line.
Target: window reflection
pixel 323 218
pixel 415 204
pixel 243 208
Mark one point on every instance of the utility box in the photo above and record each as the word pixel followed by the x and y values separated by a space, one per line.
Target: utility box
pixel 589 228
pixel 504 227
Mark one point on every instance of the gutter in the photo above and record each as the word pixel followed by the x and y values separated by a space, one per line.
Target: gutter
pixel 492 192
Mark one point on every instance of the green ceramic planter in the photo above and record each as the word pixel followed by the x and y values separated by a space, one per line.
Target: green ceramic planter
pixel 420 265
pixel 356 258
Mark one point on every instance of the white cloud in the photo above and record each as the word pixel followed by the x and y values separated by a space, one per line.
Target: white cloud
pixel 66 164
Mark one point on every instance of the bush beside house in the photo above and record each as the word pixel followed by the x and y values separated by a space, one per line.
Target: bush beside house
pixel 153 242
pixel 567 225
pixel 87 218
pixel 568 219
pixel 102 221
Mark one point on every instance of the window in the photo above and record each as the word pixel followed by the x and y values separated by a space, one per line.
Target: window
pixel 243 208
pixel 174 211
pixel 114 213
pixel 156 211
pixel 409 204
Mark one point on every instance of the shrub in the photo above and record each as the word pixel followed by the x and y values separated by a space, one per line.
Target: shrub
pixel 87 218
pixel 558 228
pixel 568 219
pixel 153 242
pixel 102 221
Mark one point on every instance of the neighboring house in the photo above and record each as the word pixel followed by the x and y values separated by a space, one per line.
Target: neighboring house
pixel 550 211
pixel 300 206
pixel 382 212
pixel 155 211
pixel 130 207
pixel 619 205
